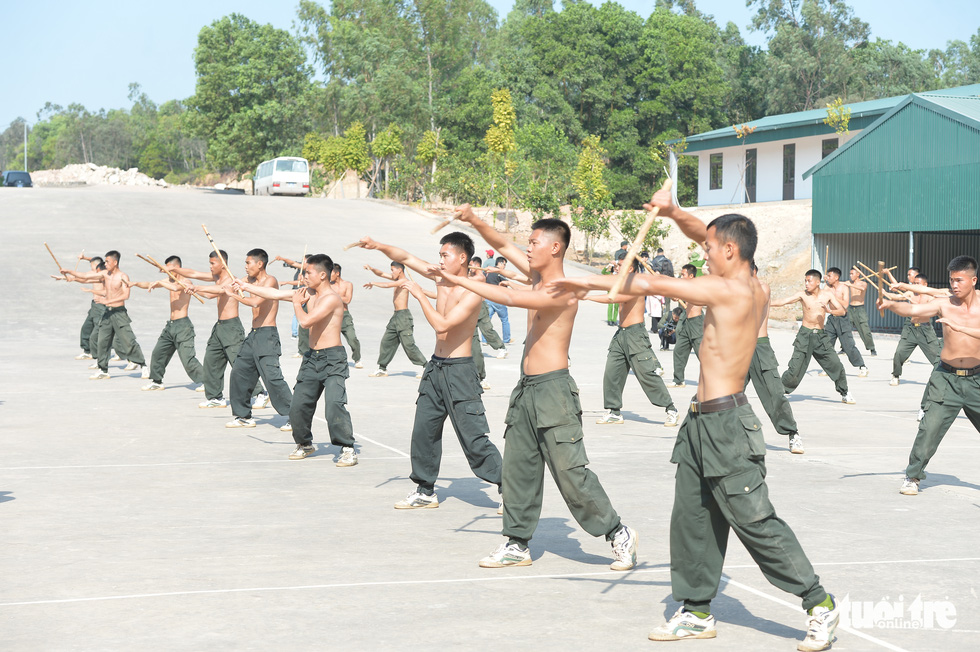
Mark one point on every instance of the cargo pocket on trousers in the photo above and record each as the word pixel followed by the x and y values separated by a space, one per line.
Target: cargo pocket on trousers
pixel 569 447
pixel 746 496
pixel 475 416
pixel 936 389
pixel 753 432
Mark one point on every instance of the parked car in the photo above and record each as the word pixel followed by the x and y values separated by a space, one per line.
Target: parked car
pixel 17 179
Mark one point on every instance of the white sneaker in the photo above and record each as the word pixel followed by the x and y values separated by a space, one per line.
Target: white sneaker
pixel 821 623
pixel 380 373
pixel 240 422
pixel 132 366
pixel 671 419
pixel 348 457
pixel 358 365
pixel 610 418
pixel 154 386
pixel 302 452
pixel 214 403
pixel 297 355
pixel 83 356
pixel 822 373
pixel 894 381
pixel 484 384
pixel 659 371
pixel 684 624
pixel 418 375
pixel 863 372
pixel 199 388
pixel 624 549
pixel 502 353
pixel 418 500
pixel 922 413
pixel 115 358
pixel 101 375
pixel 261 401
pixel 910 487
pixel 507 554
pixel 94 365
pixel 847 398
pixel 673 385
pixel 144 372
pixel 796 444
pixel 287 427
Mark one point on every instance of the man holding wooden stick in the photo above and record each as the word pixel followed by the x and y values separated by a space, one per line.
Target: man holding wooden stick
pixel 720 481
pixel 917 331
pixel 544 421
pixel 95 312
pixel 401 327
pixel 856 311
pixel 839 327
pixel 115 329
pixel 689 331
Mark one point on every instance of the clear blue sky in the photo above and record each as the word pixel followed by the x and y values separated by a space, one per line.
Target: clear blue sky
pixel 88 52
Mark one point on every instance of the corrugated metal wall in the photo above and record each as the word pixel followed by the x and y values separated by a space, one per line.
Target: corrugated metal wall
pixel 918 170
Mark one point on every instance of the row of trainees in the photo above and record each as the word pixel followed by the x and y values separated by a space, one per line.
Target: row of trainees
pixel 544 418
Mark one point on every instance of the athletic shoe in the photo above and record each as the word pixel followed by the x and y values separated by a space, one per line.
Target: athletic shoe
pixel 508 554
pixel 199 388
pixel 94 365
pixel 214 403
pixel 502 353
pixel 287 427
pixel 922 413
pixel 624 549
pixel 347 457
pixel 863 372
pixel 822 373
pixel 671 419
pixel 673 385
pixel 418 375
pixel 83 356
pixel 820 625
pixel 684 624
pixel 484 384
pixel 796 444
pixel 115 358
pixel 144 372
pixel 152 387
pixel 500 508
pixel 841 352
pixel 302 452
pixel 261 401
pixel 910 487
pixel 610 418
pixel 240 422
pixel 132 366
pixel 297 355
pixel 102 375
pixel 418 500
pixel 659 371
pixel 358 365
pixel 847 398
pixel 894 381
pixel 380 373
pixel 874 354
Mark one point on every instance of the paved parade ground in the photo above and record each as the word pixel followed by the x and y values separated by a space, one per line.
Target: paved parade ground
pixel 135 521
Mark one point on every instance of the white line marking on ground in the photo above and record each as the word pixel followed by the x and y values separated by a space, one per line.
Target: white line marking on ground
pixel 771 598
pixel 108 466
pixel 376 443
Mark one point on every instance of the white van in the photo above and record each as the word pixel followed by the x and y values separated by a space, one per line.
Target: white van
pixel 285 175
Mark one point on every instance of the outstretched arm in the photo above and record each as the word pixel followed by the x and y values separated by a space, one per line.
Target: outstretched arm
pixel 777 303
pixel 834 306
pixel 959 328
pixel 288 262
pixel 397 255
pixel 901 309
pixel 190 273
pixel 84 277
pixel 915 288
pixel 258 293
pixel 324 306
pixel 700 291
pixel 381 284
pixel 530 299
pixel 456 316
pixel 690 226
pixel 494 238
pixel 378 272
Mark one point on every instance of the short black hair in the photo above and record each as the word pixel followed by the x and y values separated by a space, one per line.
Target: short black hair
pixel 835 270
pixel 101 266
pixel 113 254
pixel 739 230
pixel 97 260
pixel 635 267
pixel 813 272
pixel 624 243
pixel 915 269
pixel 259 255
pixel 500 259
pixel 173 259
pixel 677 311
pixel 963 264
pixel 397 265
pixel 224 255
pixel 336 267
pixel 461 242
pixel 690 269
pixel 322 261
pixel 477 260
pixel 556 229
pixel 659 250
pixel 923 277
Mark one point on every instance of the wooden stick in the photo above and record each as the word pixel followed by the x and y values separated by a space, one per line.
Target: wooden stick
pixel 217 252
pixel 302 266
pixel 79 259
pixel 353 244
pixel 440 226
pixel 642 262
pixel 635 248
pixel 826 259
pixel 55 259
pixel 173 277
pixel 881 278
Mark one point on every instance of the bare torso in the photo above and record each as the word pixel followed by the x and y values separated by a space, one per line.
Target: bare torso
pixel 921 298
pixel 858 290
pixel 113 285
pixel 179 300
pixel 549 333
pixel 399 298
pixel 227 306
pixel 814 308
pixel 457 342
pixel 692 310
pixel 960 349
pixel 265 311
pixel 345 290
pixel 631 311
pixel 764 324
pixel 325 333
pixel 842 292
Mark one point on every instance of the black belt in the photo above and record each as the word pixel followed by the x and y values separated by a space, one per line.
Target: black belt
pixel 718 404
pixel 959 372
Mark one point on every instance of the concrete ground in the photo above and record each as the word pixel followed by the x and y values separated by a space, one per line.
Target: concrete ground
pixel 135 521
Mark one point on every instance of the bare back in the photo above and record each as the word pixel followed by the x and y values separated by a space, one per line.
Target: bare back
pixel 764 324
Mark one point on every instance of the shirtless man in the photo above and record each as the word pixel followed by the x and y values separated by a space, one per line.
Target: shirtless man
pixel 177 336
pixel 115 330
pixel 839 327
pixel 916 332
pixel 401 326
pixel 345 289
pixel 227 334
pixel 95 312
pixel 764 374
pixel 324 368
pixel 812 339
pixel 544 421
pixel 720 453
pixel 259 354
pixel 302 334
pixel 630 349
pixel 856 310
pixel 953 383
pixel 689 331
pixel 450 384
pixel 484 325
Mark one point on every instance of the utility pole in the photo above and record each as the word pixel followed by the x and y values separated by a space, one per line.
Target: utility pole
pixel 25 147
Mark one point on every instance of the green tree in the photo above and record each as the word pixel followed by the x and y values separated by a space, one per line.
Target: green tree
pixel 590 212
pixel 356 156
pixel 630 223
pixel 385 146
